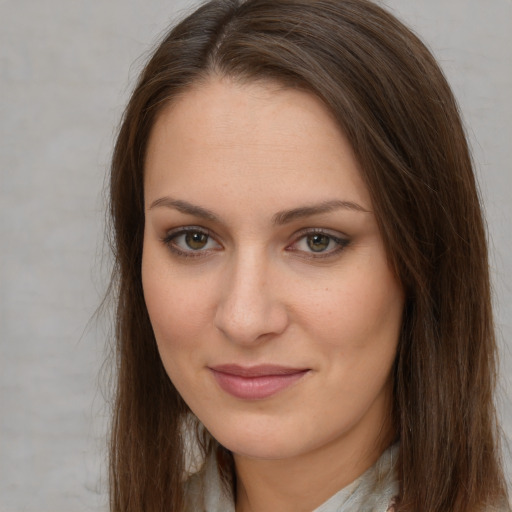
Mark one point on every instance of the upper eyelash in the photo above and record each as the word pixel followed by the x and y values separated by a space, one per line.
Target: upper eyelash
pixel 341 242
pixel 167 239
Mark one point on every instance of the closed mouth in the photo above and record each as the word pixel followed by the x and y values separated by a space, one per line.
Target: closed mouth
pixel 256 382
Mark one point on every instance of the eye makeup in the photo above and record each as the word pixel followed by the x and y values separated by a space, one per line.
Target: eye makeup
pixel 310 243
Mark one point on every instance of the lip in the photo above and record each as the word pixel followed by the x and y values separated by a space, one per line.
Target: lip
pixel 255 382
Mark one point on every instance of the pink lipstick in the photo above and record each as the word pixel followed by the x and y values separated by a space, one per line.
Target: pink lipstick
pixel 255 382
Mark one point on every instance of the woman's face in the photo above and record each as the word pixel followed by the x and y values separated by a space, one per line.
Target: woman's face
pixel 274 309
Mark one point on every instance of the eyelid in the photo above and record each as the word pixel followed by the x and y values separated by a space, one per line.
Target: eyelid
pixel 176 232
pixel 341 240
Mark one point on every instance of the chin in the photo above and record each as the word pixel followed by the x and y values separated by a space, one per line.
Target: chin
pixel 274 441
pixel 261 449
pixel 257 441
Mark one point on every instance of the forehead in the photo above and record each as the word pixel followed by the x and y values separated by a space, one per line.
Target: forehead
pixel 257 138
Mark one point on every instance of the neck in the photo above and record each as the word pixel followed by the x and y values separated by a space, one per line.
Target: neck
pixel 305 481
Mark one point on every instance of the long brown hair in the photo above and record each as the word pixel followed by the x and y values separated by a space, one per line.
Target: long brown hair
pixel 394 105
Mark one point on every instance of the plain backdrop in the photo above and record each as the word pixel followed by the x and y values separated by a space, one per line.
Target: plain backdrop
pixel 66 70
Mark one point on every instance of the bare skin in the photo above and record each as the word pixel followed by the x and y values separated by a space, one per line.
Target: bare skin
pixel 261 248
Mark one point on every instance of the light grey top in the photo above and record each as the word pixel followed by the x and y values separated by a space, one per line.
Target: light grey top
pixel 371 492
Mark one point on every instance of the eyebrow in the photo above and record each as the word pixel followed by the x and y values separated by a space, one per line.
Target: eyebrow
pixel 280 218
pixel 184 207
pixel 286 216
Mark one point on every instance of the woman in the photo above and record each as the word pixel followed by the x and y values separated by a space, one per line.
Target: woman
pixel 301 271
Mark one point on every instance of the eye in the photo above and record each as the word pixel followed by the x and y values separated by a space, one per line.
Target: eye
pixel 190 241
pixel 195 240
pixel 319 244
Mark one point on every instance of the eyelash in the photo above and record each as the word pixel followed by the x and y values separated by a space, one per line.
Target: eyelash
pixel 172 235
pixel 341 243
pixel 168 240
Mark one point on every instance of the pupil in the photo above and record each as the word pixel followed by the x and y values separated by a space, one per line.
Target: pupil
pixel 196 240
pixel 318 243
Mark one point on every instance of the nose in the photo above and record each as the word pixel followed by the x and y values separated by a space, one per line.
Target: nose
pixel 250 309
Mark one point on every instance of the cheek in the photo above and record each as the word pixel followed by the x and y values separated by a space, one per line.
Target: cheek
pixel 177 306
pixel 178 312
pixel 361 308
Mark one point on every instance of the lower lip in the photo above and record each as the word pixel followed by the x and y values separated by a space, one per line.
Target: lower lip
pixel 255 388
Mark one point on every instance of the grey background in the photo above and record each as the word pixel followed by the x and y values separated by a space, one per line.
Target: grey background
pixel 66 69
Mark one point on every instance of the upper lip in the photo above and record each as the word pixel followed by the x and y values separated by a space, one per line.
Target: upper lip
pixel 256 371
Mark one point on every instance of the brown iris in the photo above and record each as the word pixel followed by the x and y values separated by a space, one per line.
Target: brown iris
pixel 196 240
pixel 318 242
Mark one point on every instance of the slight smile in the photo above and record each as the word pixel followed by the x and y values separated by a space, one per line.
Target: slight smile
pixel 256 382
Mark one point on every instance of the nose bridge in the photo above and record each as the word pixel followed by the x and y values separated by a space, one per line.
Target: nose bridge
pixel 249 306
